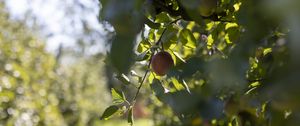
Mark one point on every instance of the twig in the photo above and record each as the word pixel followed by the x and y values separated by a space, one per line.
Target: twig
pixel 141 84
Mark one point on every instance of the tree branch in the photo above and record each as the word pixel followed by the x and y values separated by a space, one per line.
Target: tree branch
pixel 149 64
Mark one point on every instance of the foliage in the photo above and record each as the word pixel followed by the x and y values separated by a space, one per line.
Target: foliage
pixel 234 65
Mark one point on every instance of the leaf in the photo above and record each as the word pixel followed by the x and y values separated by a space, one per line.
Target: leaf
pixel 210 41
pixel 162 18
pixel 121 52
pixel 130 119
pixel 255 84
pixel 178 56
pixel 123 78
pixel 230 25
pixel 232 34
pixel 180 86
pixel 157 88
pixel 143 46
pixel 151 35
pixel 151 24
pixel 267 51
pixel 176 84
pixel 111 110
pixel 169 38
pixel 151 77
pixel 187 38
pixel 118 97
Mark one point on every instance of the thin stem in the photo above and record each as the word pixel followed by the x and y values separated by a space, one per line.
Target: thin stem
pixel 162 45
pixel 144 77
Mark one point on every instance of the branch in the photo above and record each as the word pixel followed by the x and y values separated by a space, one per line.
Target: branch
pixel 149 64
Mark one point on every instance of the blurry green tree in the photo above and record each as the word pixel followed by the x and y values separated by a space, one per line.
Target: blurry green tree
pixel 235 61
pixel 37 89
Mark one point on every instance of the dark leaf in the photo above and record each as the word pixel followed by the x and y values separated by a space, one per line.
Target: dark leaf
pixel 111 110
pixel 130 119
pixel 123 78
pixel 152 24
pixel 157 88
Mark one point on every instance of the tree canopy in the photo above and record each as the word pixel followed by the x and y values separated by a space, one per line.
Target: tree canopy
pixel 235 61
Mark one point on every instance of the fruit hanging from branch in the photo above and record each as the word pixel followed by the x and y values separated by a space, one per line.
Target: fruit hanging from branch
pixel 161 63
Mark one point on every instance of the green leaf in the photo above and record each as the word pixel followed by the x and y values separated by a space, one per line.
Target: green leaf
pixel 230 25
pixel 232 34
pixel 267 51
pixel 121 53
pixel 210 41
pixel 162 18
pixel 178 57
pixel 187 38
pixel 111 110
pixel 255 84
pixel 117 96
pixel 157 88
pixel 180 86
pixel 130 119
pixel 143 46
pixel 169 39
pixel 176 84
pixel 151 24
pixel 151 35
pixel 123 78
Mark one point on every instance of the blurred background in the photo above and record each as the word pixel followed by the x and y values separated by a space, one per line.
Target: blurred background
pixel 52 69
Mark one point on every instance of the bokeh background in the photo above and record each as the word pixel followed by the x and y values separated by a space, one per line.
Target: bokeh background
pixel 52 69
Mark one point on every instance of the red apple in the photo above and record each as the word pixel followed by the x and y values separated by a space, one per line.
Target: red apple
pixel 161 63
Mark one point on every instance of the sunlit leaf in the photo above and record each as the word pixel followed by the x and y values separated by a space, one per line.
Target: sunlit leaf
pixel 118 97
pixel 143 46
pixel 151 35
pixel 176 84
pixel 187 38
pixel 267 51
pixel 162 18
pixel 210 41
pixel 237 6
pixel 229 25
pixel 179 57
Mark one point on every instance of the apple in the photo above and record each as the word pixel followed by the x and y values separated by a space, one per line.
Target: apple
pixel 161 63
